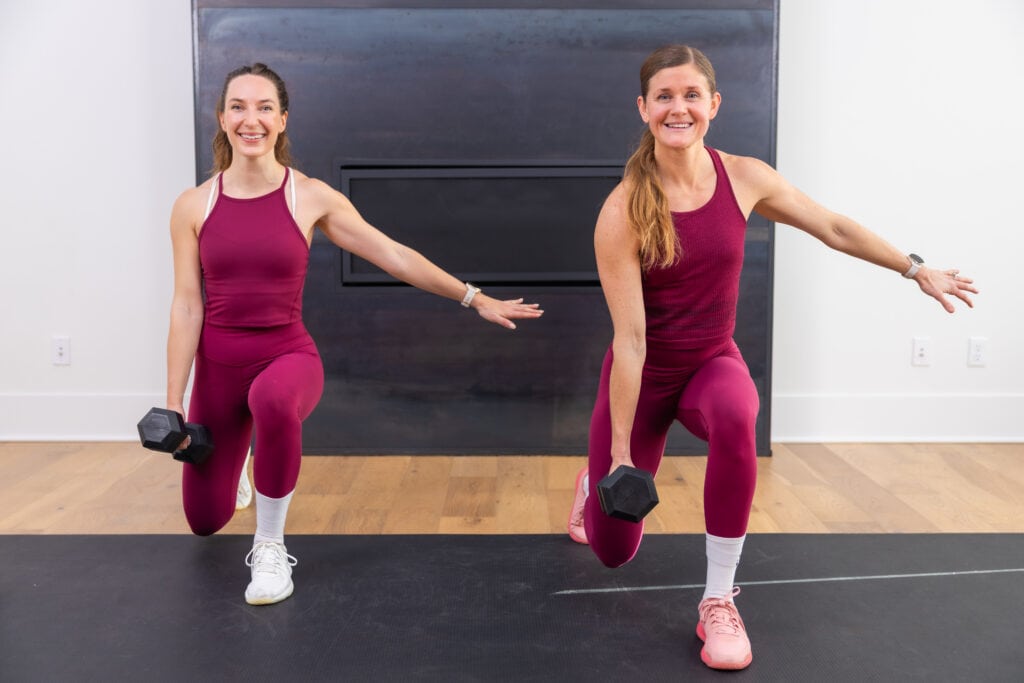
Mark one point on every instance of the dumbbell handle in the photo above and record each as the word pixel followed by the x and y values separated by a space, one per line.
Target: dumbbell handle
pixel 166 431
pixel 197 445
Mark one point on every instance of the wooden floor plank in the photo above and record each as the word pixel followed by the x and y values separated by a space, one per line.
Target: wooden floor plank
pixel 104 488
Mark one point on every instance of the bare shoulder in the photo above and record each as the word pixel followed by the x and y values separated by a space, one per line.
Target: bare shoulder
pixel 616 205
pixel 197 194
pixel 619 195
pixel 747 169
pixel 613 222
pixel 190 206
pixel 752 180
pixel 318 193
pixel 312 186
pixel 320 204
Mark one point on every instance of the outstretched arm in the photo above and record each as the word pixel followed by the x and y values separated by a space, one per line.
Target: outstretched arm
pixel 777 200
pixel 342 224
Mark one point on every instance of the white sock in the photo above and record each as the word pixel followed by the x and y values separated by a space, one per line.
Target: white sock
pixel 586 485
pixel 270 518
pixel 723 558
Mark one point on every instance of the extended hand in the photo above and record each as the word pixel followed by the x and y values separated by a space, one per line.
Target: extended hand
pixel 504 312
pixel 939 283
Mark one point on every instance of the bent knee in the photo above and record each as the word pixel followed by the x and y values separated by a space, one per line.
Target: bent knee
pixel 613 562
pixel 275 407
pixel 732 416
pixel 205 525
pixel 614 556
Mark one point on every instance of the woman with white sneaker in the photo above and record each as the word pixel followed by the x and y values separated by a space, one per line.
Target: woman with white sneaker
pixel 241 250
pixel 669 243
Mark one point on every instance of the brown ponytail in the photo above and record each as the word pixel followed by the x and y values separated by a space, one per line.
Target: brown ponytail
pixel 648 211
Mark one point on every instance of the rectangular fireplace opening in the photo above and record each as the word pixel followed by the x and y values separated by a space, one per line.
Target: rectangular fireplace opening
pixel 488 224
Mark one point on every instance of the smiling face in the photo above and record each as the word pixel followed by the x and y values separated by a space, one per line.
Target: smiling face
pixel 678 106
pixel 252 117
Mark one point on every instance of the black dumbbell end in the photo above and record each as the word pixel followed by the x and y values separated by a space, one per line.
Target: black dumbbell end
pixel 161 430
pixel 628 493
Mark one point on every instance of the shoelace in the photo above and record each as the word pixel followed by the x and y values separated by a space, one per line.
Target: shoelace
pixel 269 558
pixel 721 616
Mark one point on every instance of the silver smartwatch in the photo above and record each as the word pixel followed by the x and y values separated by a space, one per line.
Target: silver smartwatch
pixel 915 265
pixel 471 291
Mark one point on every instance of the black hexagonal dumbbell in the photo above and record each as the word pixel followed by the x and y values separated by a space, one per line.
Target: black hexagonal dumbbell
pixel 627 493
pixel 166 430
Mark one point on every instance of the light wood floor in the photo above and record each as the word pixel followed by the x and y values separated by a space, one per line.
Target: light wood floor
pixel 110 488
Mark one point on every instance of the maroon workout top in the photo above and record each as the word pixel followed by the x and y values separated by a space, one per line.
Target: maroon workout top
pixel 692 303
pixel 254 260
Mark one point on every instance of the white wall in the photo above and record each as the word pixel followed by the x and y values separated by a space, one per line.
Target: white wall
pixel 895 112
pixel 97 115
pixel 904 115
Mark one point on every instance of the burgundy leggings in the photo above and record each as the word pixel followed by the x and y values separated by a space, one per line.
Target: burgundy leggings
pixel 711 393
pixel 272 377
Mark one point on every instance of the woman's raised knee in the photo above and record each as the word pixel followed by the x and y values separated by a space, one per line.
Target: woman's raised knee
pixel 203 523
pixel 732 416
pixel 274 407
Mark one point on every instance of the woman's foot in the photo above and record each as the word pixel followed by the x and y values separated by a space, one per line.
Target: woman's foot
pixel 271 573
pixel 576 530
pixel 726 645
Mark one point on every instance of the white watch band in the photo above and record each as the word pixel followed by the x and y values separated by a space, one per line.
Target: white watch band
pixel 915 265
pixel 470 293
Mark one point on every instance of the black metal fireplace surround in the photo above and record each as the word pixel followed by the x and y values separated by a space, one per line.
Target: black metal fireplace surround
pixel 485 135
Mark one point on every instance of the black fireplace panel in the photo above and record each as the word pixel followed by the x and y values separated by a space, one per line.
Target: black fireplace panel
pixel 488 225
pixel 393 91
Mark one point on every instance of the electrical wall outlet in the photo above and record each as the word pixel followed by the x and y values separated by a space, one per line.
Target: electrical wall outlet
pixel 921 353
pixel 977 352
pixel 60 347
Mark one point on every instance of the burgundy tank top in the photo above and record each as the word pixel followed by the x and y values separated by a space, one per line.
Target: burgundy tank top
pixel 254 260
pixel 692 303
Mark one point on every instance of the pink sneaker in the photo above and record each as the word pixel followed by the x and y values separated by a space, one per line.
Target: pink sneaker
pixel 726 645
pixel 576 530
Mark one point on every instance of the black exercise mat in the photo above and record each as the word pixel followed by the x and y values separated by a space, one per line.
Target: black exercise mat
pixel 493 608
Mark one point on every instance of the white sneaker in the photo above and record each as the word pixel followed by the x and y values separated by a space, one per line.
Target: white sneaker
pixel 244 495
pixel 271 573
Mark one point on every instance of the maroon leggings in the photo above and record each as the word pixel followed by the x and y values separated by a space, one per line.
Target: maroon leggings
pixel 272 377
pixel 711 393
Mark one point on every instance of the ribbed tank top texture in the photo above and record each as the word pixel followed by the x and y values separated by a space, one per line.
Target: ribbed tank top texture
pixel 254 260
pixel 692 303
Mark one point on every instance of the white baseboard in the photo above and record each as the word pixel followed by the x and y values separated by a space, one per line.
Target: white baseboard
pixel 74 417
pixel 950 418
pixel 796 418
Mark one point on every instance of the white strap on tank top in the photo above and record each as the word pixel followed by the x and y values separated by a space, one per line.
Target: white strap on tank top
pixel 291 184
pixel 216 182
pixel 213 192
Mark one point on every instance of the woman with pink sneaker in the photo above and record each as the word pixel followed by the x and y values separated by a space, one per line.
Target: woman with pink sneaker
pixel 669 244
